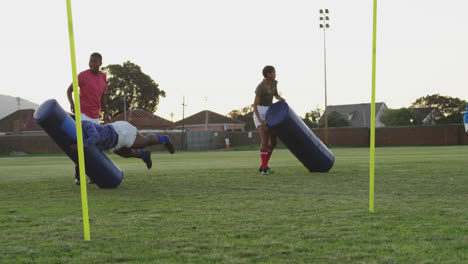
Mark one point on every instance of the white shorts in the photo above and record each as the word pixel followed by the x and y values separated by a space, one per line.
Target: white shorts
pixel 466 127
pixel 87 118
pixel 127 134
pixel 262 112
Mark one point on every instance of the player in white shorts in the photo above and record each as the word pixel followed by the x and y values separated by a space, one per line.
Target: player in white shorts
pixel 123 139
pixel 264 94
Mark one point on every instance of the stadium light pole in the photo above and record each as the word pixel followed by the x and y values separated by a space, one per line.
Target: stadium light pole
pixel 125 104
pixel 18 100
pixel 324 24
pixel 183 121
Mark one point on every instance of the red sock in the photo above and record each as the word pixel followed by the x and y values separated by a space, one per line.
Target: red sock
pixel 264 157
pixel 270 151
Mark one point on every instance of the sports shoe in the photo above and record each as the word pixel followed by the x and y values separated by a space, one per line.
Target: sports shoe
pixel 265 172
pixel 260 169
pixel 147 160
pixel 77 180
pixel 170 146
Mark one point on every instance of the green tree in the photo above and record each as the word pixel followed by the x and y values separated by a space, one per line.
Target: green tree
pixel 140 90
pixel 451 107
pixel 245 115
pixel 311 118
pixel 399 117
pixel 335 119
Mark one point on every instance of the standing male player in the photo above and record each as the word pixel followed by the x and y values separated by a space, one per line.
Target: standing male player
pixel 93 86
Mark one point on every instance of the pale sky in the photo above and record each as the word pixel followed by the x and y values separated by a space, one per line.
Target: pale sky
pixel 216 49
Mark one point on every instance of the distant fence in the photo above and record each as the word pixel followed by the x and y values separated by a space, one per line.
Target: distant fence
pixel 397 136
pixel 207 140
pixel 43 143
pixel 200 140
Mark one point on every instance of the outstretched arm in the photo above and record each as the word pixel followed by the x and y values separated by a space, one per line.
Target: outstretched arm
pixel 90 134
pixel 70 98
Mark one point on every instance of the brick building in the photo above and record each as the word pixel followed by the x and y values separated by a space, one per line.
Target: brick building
pixel 210 121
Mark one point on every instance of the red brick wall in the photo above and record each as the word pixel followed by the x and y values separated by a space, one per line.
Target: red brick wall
pixel 397 136
pixel 43 143
pixel 214 128
pixel 28 143
pixel 421 135
pixel 344 136
pixel 389 136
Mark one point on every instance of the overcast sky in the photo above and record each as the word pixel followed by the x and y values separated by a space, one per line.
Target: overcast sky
pixel 212 51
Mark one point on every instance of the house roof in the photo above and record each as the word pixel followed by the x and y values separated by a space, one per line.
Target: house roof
pixel 142 119
pixel 426 114
pixel 26 115
pixel 30 125
pixel 200 118
pixel 358 114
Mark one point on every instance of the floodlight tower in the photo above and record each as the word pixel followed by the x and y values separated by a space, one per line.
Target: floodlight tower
pixel 183 121
pixel 18 100
pixel 125 104
pixel 324 24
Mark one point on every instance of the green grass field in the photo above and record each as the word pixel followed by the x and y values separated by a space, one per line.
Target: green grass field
pixel 214 207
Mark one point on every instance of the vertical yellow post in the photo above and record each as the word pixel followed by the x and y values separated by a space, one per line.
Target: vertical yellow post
pixel 79 139
pixel 372 128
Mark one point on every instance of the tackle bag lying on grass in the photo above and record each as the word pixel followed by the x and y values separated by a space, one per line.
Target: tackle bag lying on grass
pixel 62 129
pixel 299 139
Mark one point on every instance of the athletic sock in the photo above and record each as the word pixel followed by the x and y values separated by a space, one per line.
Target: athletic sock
pixel 270 151
pixel 162 139
pixel 143 154
pixel 264 157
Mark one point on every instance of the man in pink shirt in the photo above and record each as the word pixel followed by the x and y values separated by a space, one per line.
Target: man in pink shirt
pixel 93 86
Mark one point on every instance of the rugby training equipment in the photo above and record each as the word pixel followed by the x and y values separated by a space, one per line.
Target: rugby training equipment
pixel 299 139
pixel 62 129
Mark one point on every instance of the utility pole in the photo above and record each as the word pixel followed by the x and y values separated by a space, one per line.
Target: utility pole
pixel 183 122
pixel 125 107
pixel 18 100
pixel 124 103
pixel 324 25
pixel 206 113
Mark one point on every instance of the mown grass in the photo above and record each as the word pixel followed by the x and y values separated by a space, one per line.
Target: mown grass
pixel 214 207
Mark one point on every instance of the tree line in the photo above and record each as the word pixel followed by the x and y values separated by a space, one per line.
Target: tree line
pixel 438 110
pixel 128 82
pixel 128 86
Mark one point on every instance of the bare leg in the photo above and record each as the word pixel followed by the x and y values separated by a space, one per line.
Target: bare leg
pixel 144 141
pixel 136 153
pixel 265 140
pixel 271 145
pixel 273 140
pixel 264 136
pixel 150 140
pixel 128 153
